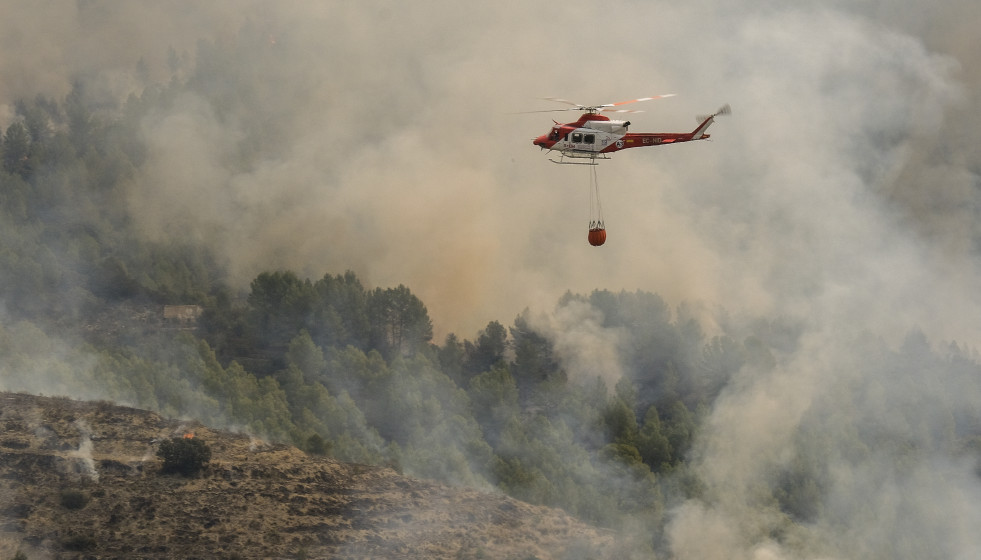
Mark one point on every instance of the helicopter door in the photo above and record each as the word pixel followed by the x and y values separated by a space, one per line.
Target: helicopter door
pixel 584 141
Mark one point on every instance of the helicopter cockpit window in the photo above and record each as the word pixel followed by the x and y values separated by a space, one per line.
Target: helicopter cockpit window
pixel 577 137
pixel 554 135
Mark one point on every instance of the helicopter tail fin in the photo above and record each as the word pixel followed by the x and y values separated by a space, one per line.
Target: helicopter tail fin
pixel 706 120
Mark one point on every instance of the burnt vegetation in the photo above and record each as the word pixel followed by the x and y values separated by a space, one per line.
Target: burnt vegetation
pixel 255 499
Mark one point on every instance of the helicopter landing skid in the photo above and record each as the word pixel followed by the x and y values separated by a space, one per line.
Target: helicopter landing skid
pixel 591 157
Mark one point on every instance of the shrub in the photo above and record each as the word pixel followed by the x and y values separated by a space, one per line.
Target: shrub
pixel 185 456
pixel 73 499
pixel 317 445
pixel 79 543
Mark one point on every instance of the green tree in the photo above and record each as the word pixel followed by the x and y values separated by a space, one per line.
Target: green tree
pixel 16 150
pixel 37 118
pixel 82 125
pixel 488 349
pixel 317 445
pixel 679 428
pixel 280 304
pixel 306 357
pixel 721 357
pixel 626 392
pixel 494 396
pixel 400 323
pixel 225 325
pixel 451 357
pixel 653 445
pixel 534 360
pixel 620 422
pixel 340 314
pixel 15 197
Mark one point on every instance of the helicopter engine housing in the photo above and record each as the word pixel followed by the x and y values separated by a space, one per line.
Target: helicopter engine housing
pixel 613 127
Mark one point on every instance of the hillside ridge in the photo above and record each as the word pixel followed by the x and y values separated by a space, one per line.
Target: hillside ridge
pixel 82 480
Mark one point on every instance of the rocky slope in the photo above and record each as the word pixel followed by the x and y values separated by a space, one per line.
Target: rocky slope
pixel 82 480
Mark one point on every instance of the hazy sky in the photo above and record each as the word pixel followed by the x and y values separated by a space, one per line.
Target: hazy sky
pixel 843 190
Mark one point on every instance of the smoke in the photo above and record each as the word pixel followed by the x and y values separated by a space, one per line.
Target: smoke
pixel 843 192
pixel 865 436
pixel 587 348
pixel 832 227
pixel 399 157
pixel 84 451
pixel 35 363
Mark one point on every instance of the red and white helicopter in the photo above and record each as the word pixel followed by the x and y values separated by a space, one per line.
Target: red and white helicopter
pixel 595 136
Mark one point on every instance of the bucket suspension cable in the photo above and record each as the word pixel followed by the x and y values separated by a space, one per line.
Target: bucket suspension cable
pixel 595 205
pixel 597 229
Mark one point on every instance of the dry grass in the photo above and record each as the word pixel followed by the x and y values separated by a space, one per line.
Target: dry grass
pixel 254 500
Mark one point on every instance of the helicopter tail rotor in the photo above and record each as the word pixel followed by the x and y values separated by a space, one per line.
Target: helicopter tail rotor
pixel 723 110
pixel 706 121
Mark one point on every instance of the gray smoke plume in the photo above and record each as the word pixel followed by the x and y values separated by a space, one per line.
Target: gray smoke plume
pixel 398 157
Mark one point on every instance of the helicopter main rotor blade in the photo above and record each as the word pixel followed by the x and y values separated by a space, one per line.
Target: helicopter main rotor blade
pixel 608 107
pixel 549 111
pixel 637 100
pixel 566 101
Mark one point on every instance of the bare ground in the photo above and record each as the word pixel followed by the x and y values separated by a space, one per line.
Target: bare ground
pixel 253 500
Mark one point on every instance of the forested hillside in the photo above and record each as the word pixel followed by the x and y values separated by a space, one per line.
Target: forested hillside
pixel 328 364
pixel 597 417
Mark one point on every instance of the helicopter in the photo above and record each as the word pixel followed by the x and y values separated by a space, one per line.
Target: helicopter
pixel 595 136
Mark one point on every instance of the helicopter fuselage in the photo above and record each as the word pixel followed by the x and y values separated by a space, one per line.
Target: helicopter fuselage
pixel 595 134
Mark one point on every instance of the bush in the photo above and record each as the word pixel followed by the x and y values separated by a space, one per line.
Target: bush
pixel 185 456
pixel 317 445
pixel 73 499
pixel 79 543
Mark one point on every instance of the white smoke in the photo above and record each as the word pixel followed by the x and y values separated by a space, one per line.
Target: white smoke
pixel 84 451
pixel 586 348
